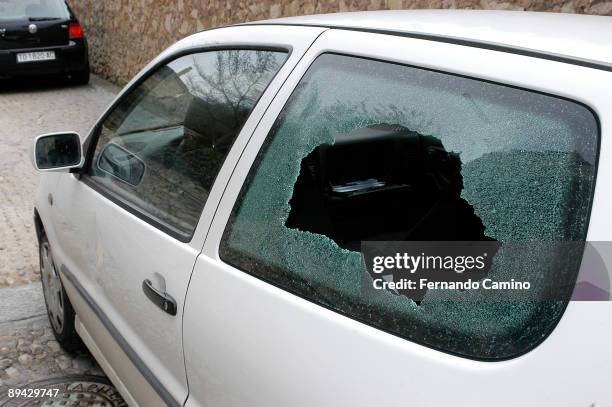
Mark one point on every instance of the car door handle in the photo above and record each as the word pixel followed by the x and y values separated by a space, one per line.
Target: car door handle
pixel 162 299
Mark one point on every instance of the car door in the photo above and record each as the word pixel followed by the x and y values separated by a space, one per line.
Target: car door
pixel 129 228
pixel 280 299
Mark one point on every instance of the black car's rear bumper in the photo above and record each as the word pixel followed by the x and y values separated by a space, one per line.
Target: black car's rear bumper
pixel 68 58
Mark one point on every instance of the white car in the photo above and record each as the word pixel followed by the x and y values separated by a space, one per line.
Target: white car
pixel 204 240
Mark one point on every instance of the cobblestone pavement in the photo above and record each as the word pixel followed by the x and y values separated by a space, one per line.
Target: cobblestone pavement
pixel 28 350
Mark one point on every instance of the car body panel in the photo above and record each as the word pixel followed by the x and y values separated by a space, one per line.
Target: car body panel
pixel 113 360
pixel 19 36
pixel 268 347
pixel 580 37
pixel 69 58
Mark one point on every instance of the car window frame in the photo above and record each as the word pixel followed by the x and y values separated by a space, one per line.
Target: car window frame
pixel 90 144
pixel 258 142
pixel 312 300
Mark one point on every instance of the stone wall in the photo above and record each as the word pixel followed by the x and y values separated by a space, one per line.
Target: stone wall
pixel 125 34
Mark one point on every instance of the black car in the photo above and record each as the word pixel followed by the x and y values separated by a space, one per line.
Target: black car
pixel 42 37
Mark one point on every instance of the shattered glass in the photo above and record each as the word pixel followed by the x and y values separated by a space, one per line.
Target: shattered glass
pixel 527 166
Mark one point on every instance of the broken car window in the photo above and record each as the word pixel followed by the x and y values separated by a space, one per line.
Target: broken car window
pixel 372 151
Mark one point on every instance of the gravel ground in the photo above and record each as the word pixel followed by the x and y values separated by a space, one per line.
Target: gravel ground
pixel 28 350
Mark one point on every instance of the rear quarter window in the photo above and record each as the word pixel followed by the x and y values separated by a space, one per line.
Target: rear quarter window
pixel 369 150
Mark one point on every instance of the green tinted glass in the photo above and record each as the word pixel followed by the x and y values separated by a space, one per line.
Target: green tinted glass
pixel 367 150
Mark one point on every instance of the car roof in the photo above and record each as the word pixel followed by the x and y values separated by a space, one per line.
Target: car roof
pixel 584 38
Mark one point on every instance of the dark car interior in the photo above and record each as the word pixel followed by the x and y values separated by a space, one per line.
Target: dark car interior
pixel 383 182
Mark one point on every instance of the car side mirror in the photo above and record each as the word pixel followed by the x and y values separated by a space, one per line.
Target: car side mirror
pixel 121 163
pixel 58 152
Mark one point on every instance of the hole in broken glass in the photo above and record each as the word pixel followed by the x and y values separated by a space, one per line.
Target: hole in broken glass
pixel 383 182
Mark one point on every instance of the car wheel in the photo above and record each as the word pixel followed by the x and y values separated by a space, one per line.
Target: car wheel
pixel 80 77
pixel 60 311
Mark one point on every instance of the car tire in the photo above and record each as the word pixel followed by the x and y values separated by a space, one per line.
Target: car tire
pixel 80 77
pixel 59 309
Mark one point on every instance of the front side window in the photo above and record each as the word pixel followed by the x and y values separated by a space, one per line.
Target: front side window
pixel 161 148
pixel 372 151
